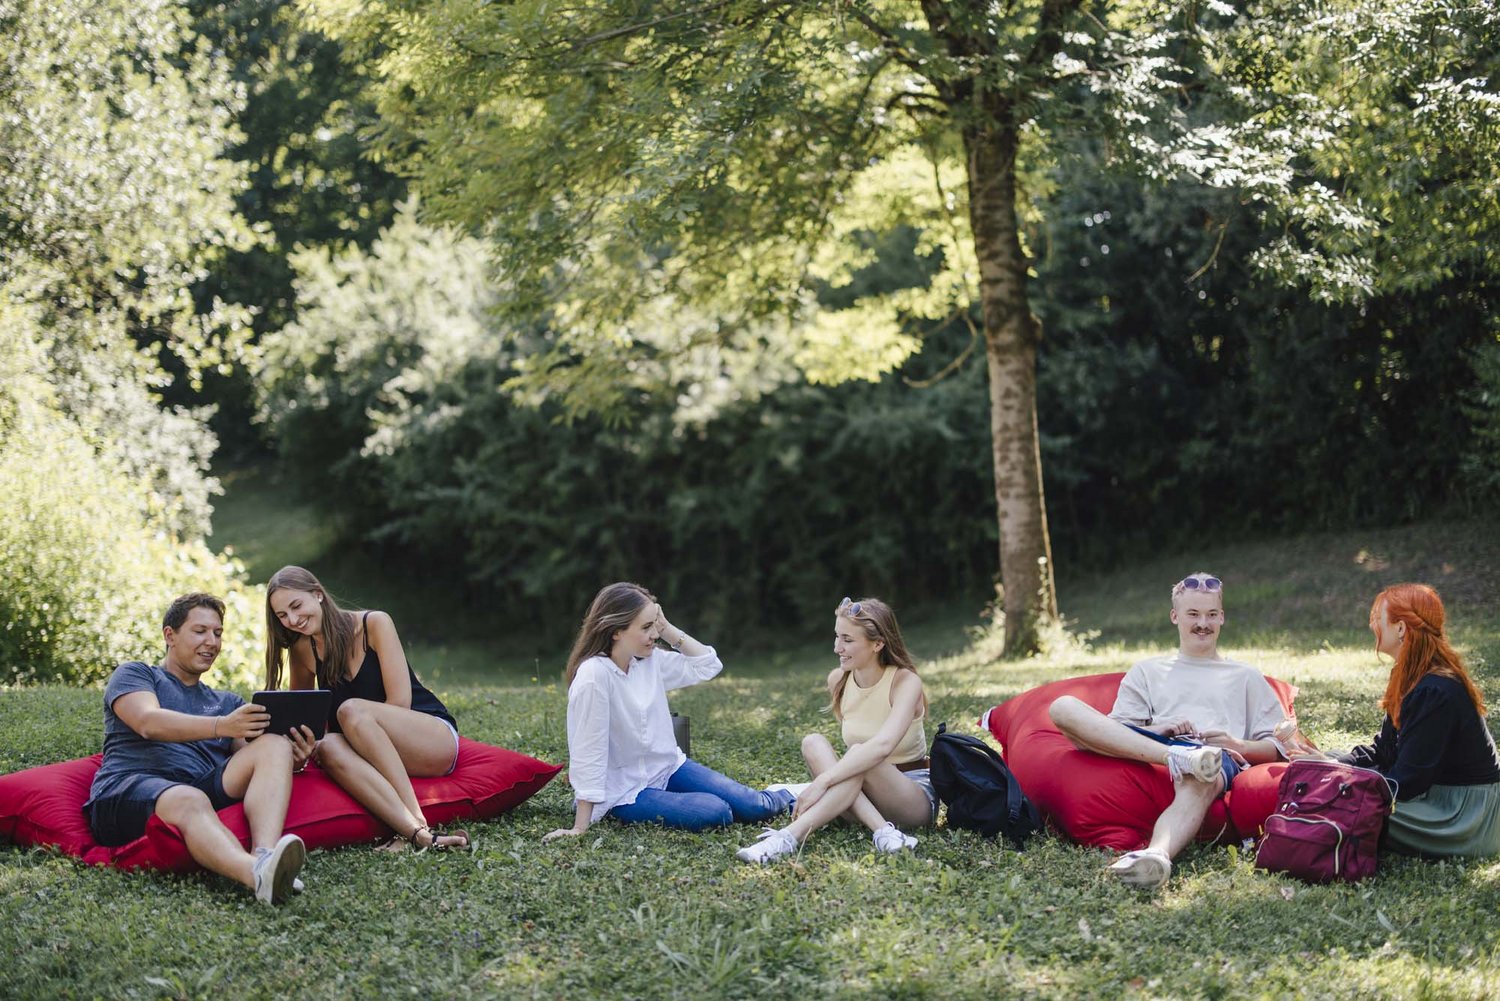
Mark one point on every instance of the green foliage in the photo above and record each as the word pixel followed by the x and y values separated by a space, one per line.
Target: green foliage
pixel 112 199
pixel 732 161
pixel 641 912
pixel 1364 133
pixel 1184 385
pixel 91 561
pixel 385 394
pixel 1482 407
pixel 301 140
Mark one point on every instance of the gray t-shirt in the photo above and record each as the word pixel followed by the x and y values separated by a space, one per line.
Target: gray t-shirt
pixel 1213 694
pixel 128 755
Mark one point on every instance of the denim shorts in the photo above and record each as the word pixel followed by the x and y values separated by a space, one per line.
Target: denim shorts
pixel 1230 766
pixel 453 730
pixel 923 778
pixel 121 818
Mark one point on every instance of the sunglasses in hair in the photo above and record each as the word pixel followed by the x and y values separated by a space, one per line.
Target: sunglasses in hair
pixel 848 607
pixel 1203 583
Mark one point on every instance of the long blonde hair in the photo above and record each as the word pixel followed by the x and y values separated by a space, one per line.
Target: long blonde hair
pixel 337 631
pixel 878 621
pixel 613 608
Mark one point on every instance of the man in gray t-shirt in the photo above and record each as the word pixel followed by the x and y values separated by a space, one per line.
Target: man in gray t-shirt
pixel 176 749
pixel 1202 715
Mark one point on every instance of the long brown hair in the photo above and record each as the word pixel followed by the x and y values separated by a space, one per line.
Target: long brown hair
pixel 1424 650
pixel 337 631
pixel 878 621
pixel 613 608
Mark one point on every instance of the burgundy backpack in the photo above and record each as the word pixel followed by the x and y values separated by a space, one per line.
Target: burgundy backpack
pixel 1327 823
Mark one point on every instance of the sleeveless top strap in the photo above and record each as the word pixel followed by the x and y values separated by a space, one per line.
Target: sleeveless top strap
pixel 364 627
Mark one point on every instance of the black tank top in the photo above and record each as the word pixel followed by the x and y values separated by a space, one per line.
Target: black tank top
pixel 367 683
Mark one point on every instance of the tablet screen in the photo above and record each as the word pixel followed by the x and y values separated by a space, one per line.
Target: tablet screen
pixel 307 708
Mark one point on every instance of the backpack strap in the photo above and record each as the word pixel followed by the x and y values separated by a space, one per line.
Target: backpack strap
pixel 1013 797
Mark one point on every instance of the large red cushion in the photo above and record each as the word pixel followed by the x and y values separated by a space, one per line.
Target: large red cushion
pixel 44 806
pixel 1110 802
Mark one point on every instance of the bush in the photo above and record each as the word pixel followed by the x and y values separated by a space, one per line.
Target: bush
pixel 90 560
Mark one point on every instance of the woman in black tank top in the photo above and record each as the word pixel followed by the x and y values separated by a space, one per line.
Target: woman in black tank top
pixel 385 725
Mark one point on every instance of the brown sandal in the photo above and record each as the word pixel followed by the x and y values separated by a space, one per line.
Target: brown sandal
pixel 434 833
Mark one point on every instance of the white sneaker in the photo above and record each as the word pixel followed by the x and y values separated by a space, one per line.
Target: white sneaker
pixel 297 884
pixel 1202 763
pixel 771 846
pixel 891 841
pixel 1145 869
pixel 276 870
pixel 795 788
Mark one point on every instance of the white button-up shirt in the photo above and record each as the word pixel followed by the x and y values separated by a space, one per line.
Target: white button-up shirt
pixel 619 727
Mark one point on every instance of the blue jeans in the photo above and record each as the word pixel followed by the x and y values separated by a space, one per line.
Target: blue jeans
pixel 697 797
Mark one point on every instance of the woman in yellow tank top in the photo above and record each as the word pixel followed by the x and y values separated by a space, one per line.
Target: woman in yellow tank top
pixel 881 781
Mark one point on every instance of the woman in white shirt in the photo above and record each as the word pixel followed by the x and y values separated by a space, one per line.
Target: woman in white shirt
pixel 623 759
pixel 882 779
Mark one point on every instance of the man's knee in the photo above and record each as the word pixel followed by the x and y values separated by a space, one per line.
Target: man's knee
pixel 1197 791
pixel 1064 710
pixel 270 748
pixel 181 804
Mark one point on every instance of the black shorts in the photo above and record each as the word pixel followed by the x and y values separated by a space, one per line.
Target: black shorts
pixel 121 818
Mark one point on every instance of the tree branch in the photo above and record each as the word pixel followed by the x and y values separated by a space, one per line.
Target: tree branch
pixel 1049 30
pixel 893 45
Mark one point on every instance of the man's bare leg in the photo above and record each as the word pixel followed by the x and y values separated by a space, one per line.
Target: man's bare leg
pixel 1091 730
pixel 207 839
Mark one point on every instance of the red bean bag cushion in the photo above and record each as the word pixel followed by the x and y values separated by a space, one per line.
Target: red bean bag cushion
pixel 44 806
pixel 1110 802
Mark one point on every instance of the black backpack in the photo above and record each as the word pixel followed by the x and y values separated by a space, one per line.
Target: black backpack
pixel 981 793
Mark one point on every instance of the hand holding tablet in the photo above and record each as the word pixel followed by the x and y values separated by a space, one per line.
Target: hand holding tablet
pixel 304 708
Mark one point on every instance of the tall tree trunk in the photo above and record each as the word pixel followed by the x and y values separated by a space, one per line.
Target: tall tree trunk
pixel 1010 334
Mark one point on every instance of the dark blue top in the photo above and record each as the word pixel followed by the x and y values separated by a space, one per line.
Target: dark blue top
pixel 128 755
pixel 1442 741
pixel 367 683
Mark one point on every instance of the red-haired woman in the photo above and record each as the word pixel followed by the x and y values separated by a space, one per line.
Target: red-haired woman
pixel 1434 746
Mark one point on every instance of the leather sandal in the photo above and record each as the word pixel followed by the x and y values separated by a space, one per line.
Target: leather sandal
pixel 434 833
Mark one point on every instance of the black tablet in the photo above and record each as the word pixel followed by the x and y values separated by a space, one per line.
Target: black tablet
pixel 308 707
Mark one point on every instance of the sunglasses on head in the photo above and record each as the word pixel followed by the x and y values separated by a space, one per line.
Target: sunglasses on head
pixel 1200 583
pixel 848 607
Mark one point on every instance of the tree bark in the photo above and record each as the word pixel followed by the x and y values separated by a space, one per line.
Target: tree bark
pixel 1011 333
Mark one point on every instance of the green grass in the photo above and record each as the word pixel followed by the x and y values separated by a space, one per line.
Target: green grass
pixel 632 912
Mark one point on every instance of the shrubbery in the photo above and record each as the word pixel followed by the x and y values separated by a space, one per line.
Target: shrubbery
pixel 1166 406
pixel 113 194
pixel 90 561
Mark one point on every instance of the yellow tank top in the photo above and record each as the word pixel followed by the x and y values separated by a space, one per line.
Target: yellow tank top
pixel 866 709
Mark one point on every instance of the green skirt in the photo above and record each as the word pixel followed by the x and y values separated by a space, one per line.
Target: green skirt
pixel 1447 821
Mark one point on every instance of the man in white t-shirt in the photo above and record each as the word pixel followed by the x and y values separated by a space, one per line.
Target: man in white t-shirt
pixel 1202 715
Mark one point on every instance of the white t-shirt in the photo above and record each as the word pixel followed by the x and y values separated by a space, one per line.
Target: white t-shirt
pixel 619 727
pixel 1213 694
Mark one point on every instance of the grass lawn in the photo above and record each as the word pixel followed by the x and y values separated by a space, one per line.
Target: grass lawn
pixel 633 912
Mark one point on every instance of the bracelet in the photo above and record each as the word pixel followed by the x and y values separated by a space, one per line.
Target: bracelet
pixel 216 728
pixel 681 636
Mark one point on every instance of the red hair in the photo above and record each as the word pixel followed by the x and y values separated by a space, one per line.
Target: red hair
pixel 1424 650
